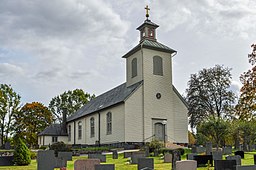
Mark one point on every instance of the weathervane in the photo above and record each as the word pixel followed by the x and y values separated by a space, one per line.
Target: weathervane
pixel 147 9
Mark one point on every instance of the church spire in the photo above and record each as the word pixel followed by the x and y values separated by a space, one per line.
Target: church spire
pixel 148 28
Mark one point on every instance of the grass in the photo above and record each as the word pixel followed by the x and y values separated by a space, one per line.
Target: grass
pixel 121 163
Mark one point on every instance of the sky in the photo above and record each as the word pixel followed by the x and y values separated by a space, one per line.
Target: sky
pixel 48 47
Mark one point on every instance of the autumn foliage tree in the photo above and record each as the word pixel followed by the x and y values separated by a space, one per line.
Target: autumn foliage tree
pixel 246 107
pixel 33 118
pixel 70 102
pixel 209 94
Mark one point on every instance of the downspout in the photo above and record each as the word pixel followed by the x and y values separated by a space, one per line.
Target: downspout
pixel 99 129
pixel 74 132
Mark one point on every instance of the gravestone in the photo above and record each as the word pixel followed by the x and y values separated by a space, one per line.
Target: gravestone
pixel 227 150
pixel 86 164
pixel 193 150
pixel 114 154
pixel 208 148
pixel 145 163
pixel 7 146
pixel 254 158
pixel 236 157
pixel 101 157
pixel 6 160
pixel 217 155
pixel 246 167
pixel 60 162
pixel 104 167
pixel 136 155
pixel 241 153
pixel 186 165
pixel 224 165
pixel 200 149
pixel 202 160
pixel 147 153
pixel 190 156
pixel 167 158
pixel 127 154
pixel 46 160
pixel 175 157
pixel 66 155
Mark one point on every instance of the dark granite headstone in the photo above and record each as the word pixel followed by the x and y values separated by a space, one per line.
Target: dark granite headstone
pixel 104 167
pixel 208 148
pixel 114 154
pixel 136 155
pixel 86 164
pixel 101 157
pixel 241 153
pixel 236 157
pixel 127 154
pixel 145 163
pixel 224 165
pixel 46 160
pixel 202 160
pixel 167 158
pixel 6 160
pixel 254 157
pixel 246 167
pixel 175 157
pixel 7 146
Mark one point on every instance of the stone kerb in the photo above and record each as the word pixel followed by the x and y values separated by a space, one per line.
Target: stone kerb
pixel 247 167
pixel 186 165
pixel 85 164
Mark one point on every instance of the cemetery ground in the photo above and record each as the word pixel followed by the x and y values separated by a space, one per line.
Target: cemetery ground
pixel 122 163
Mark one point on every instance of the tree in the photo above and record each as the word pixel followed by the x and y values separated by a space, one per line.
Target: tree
pixel 33 118
pixel 209 94
pixel 70 102
pixel 246 107
pixel 9 106
pixel 21 154
pixel 214 129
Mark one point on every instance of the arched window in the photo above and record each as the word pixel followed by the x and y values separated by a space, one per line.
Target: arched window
pixel 157 65
pixel 69 132
pixel 79 130
pixel 109 123
pixel 134 67
pixel 92 127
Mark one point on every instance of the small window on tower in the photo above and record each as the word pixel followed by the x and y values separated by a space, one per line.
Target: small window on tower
pixel 151 33
pixel 134 67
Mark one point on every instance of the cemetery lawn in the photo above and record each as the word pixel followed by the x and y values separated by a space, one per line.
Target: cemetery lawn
pixel 122 163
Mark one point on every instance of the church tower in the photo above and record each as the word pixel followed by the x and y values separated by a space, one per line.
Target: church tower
pixel 150 62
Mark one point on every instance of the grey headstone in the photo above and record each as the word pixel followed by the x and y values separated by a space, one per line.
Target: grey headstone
pixel 136 155
pixel 147 154
pixel 65 155
pixel 193 150
pixel 167 158
pixel 175 157
pixel 190 156
pixel 247 167
pixel 104 167
pixel 86 164
pixel 101 157
pixel 208 148
pixel 6 160
pixel 7 146
pixel 46 160
pixel 217 155
pixel 145 163
pixel 114 154
pixel 227 150
pixel 127 154
pixel 225 165
pixel 237 158
pixel 60 162
pixel 186 165
pixel 200 149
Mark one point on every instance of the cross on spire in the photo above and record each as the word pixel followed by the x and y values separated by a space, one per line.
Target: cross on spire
pixel 147 13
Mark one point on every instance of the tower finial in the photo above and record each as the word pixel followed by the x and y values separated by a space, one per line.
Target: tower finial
pixel 147 13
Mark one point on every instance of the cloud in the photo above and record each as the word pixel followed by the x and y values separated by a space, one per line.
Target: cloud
pixel 7 69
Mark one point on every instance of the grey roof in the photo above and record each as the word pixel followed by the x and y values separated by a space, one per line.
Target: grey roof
pixel 179 95
pixel 110 98
pixel 148 22
pixel 53 130
pixel 150 44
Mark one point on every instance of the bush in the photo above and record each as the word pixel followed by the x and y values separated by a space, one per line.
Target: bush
pixel 21 154
pixel 59 147
pixel 33 155
pixel 43 147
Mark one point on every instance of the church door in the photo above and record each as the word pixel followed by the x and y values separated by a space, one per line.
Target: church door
pixel 159 131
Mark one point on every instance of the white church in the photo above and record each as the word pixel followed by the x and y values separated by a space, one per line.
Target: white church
pixel 146 107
